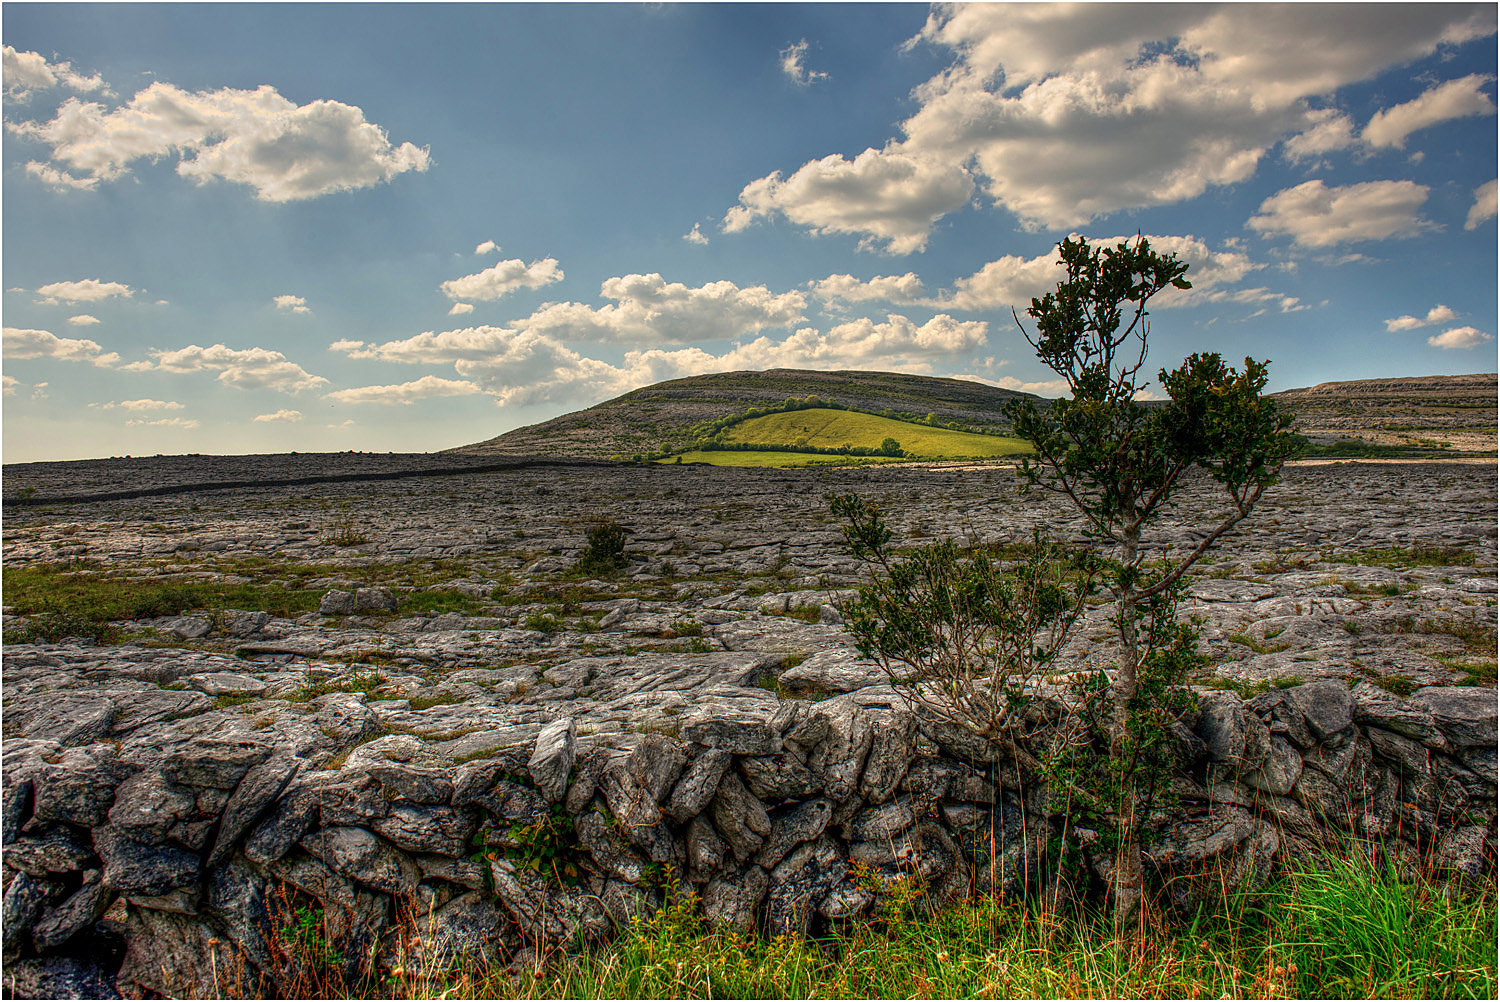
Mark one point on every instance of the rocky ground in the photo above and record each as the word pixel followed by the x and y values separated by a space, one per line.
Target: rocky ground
pixel 364 679
pixel 449 607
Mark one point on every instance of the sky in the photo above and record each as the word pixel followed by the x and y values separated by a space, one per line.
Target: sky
pixel 247 228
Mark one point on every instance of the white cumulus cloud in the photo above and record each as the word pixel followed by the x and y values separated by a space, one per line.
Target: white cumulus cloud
pixel 1461 98
pixel 504 278
pixel 1063 114
pixel 25 72
pixel 242 368
pixel 488 247
pixel 10 383
pixel 174 422
pixel 1460 337
pixel 83 320
pixel 1439 314
pixel 892 195
pixel 793 65
pixel 1485 205
pixel 695 236
pixel 459 309
pixel 20 342
pixel 60 180
pixel 278 417
pixel 284 151
pixel 1314 214
pixel 88 290
pixel 291 304
pixel 141 405
pixel 405 393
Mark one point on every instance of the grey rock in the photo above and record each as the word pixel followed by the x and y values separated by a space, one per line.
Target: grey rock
pixel 792 826
pixel 72 719
pixel 656 763
pixel 15 806
pixel 373 600
pixel 882 822
pixel 889 755
pixel 698 784
pixel 47 850
pixel 612 853
pixel 635 809
pixel 547 913
pixel 799 884
pixel 255 793
pixel 1466 714
pixel 741 819
pixel 246 624
pixel 777 777
pixel 719 728
pixel 351 798
pixel 1278 773
pixel 551 760
pixel 730 902
pixel 1375 707
pixel 213 762
pixel 1413 757
pixel 59 978
pixel 227 683
pixel 190 627
pixel 178 956
pixel 72 915
pixel 1326 705
pixel 133 868
pixel 1222 725
pixel 147 807
pixel 289 818
pixel 706 852
pixel 440 830
pixel 337 603
pixel 79 787
pixel 361 856
pixel 24 899
pixel 466 931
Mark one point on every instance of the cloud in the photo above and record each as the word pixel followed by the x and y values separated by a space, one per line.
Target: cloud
pixel 461 308
pixel 278 417
pixel 10 383
pixel 650 310
pixel 1062 118
pixel 59 180
pixel 1328 130
pixel 26 343
pixel 1484 205
pixel 1316 215
pixel 792 65
pixel 284 151
pixel 504 278
pixel 88 290
pixel 136 406
pixel 1437 315
pixel 405 393
pixel 25 72
pixel 892 195
pixel 83 320
pixel 695 236
pixel 1012 280
pixel 488 247
pixel 1460 337
pixel 175 422
pixel 245 369
pixel 902 290
pixel 291 304
pixel 1461 98
pixel 524 366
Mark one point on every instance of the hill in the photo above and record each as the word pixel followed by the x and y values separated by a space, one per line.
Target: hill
pixel 1447 413
pixel 659 416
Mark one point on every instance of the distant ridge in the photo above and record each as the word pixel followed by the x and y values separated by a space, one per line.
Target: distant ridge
pixel 1449 413
pixel 660 416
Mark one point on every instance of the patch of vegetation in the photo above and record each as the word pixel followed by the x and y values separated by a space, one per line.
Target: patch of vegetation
pixel 61 601
pixel 771 459
pixel 1245 640
pixel 851 433
pixel 543 622
pixel 1401 557
pixel 604 549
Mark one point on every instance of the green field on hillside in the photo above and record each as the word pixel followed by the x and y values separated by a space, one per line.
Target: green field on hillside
pixel 829 428
pixel 776 459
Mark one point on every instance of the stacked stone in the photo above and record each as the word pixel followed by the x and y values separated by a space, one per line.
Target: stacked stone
pixel 194 855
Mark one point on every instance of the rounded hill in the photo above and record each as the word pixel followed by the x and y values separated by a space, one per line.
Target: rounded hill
pixel 662 417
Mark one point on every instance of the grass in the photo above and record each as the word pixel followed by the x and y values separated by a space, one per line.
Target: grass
pixel 1416 555
pixel 69 602
pixel 1337 927
pixel 773 459
pixel 829 428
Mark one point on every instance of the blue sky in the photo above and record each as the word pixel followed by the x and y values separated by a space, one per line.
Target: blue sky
pixel 243 228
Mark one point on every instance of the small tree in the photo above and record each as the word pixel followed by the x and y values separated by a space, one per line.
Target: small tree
pixel 1120 462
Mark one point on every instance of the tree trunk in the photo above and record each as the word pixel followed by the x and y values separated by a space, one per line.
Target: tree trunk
pixel 1125 876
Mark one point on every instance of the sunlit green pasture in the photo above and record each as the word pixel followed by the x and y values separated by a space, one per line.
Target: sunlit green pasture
pixel 829 428
pixel 771 459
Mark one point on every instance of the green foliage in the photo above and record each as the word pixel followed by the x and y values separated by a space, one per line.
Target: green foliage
pixel 604 549
pixel 549 846
pixel 956 630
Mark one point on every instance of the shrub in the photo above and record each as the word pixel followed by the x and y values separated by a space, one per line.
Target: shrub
pixel 604 549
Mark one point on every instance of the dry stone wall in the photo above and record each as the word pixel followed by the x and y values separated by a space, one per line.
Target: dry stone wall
pixel 177 804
